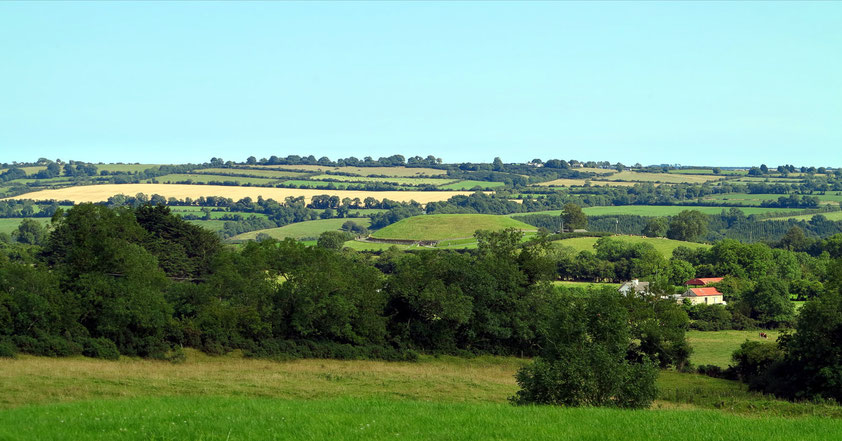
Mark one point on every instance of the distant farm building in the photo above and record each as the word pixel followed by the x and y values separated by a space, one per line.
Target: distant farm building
pixel 707 296
pixel 703 281
pixel 634 287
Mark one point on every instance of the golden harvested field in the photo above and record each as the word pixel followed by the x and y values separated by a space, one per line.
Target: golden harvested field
pixel 398 172
pixel 666 178
pixel 581 182
pixel 599 171
pixel 99 193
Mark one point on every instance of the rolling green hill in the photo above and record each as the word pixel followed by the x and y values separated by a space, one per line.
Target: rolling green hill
pixel 447 226
pixel 300 230
pixel 665 246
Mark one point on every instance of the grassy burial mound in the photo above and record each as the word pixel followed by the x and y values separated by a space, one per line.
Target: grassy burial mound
pixel 663 245
pixel 302 230
pixel 100 193
pixel 447 226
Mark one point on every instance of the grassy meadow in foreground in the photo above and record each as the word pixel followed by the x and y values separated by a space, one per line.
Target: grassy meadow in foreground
pixel 241 418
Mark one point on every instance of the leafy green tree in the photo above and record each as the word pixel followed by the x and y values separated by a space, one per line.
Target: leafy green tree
pixel 427 307
pixel 768 303
pixel 687 225
pixel 30 232
pixel 812 366
pixel 573 216
pixel 655 227
pixel 584 362
pixel 333 240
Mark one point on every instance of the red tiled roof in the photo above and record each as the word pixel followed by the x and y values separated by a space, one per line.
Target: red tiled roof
pixel 703 281
pixel 701 292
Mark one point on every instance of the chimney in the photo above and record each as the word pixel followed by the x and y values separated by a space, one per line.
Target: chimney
pixel 634 282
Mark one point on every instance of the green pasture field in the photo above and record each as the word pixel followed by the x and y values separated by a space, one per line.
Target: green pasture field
pixel 833 215
pixel 833 197
pixel 664 246
pixel 716 347
pixel 317 184
pixel 375 246
pixel 470 185
pixel 585 285
pixel 661 210
pixel 240 418
pixel 300 230
pixel 708 171
pixel 205 178
pixel 229 397
pixel 213 225
pixel 217 214
pixel 42 182
pixel 9 224
pixel 398 172
pixel 28 170
pixel 447 226
pixel 253 172
pixel 128 168
pixel 398 181
pixel 666 178
pixel 366 211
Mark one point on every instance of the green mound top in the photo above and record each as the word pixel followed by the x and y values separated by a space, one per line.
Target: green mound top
pixel 447 226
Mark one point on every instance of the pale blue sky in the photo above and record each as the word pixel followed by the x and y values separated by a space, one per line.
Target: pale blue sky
pixel 709 83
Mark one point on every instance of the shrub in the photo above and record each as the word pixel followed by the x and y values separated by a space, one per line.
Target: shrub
pixel 7 349
pixel 100 348
pixel 585 362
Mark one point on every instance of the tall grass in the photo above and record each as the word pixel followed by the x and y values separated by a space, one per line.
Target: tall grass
pixel 240 418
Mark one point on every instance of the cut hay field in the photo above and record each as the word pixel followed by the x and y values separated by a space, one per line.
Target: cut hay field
pixel 398 181
pixel 302 230
pixel 447 226
pixel 716 347
pixel 664 246
pixel 99 193
pixel 398 172
pixel 9 224
pixel 582 182
pixel 666 178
